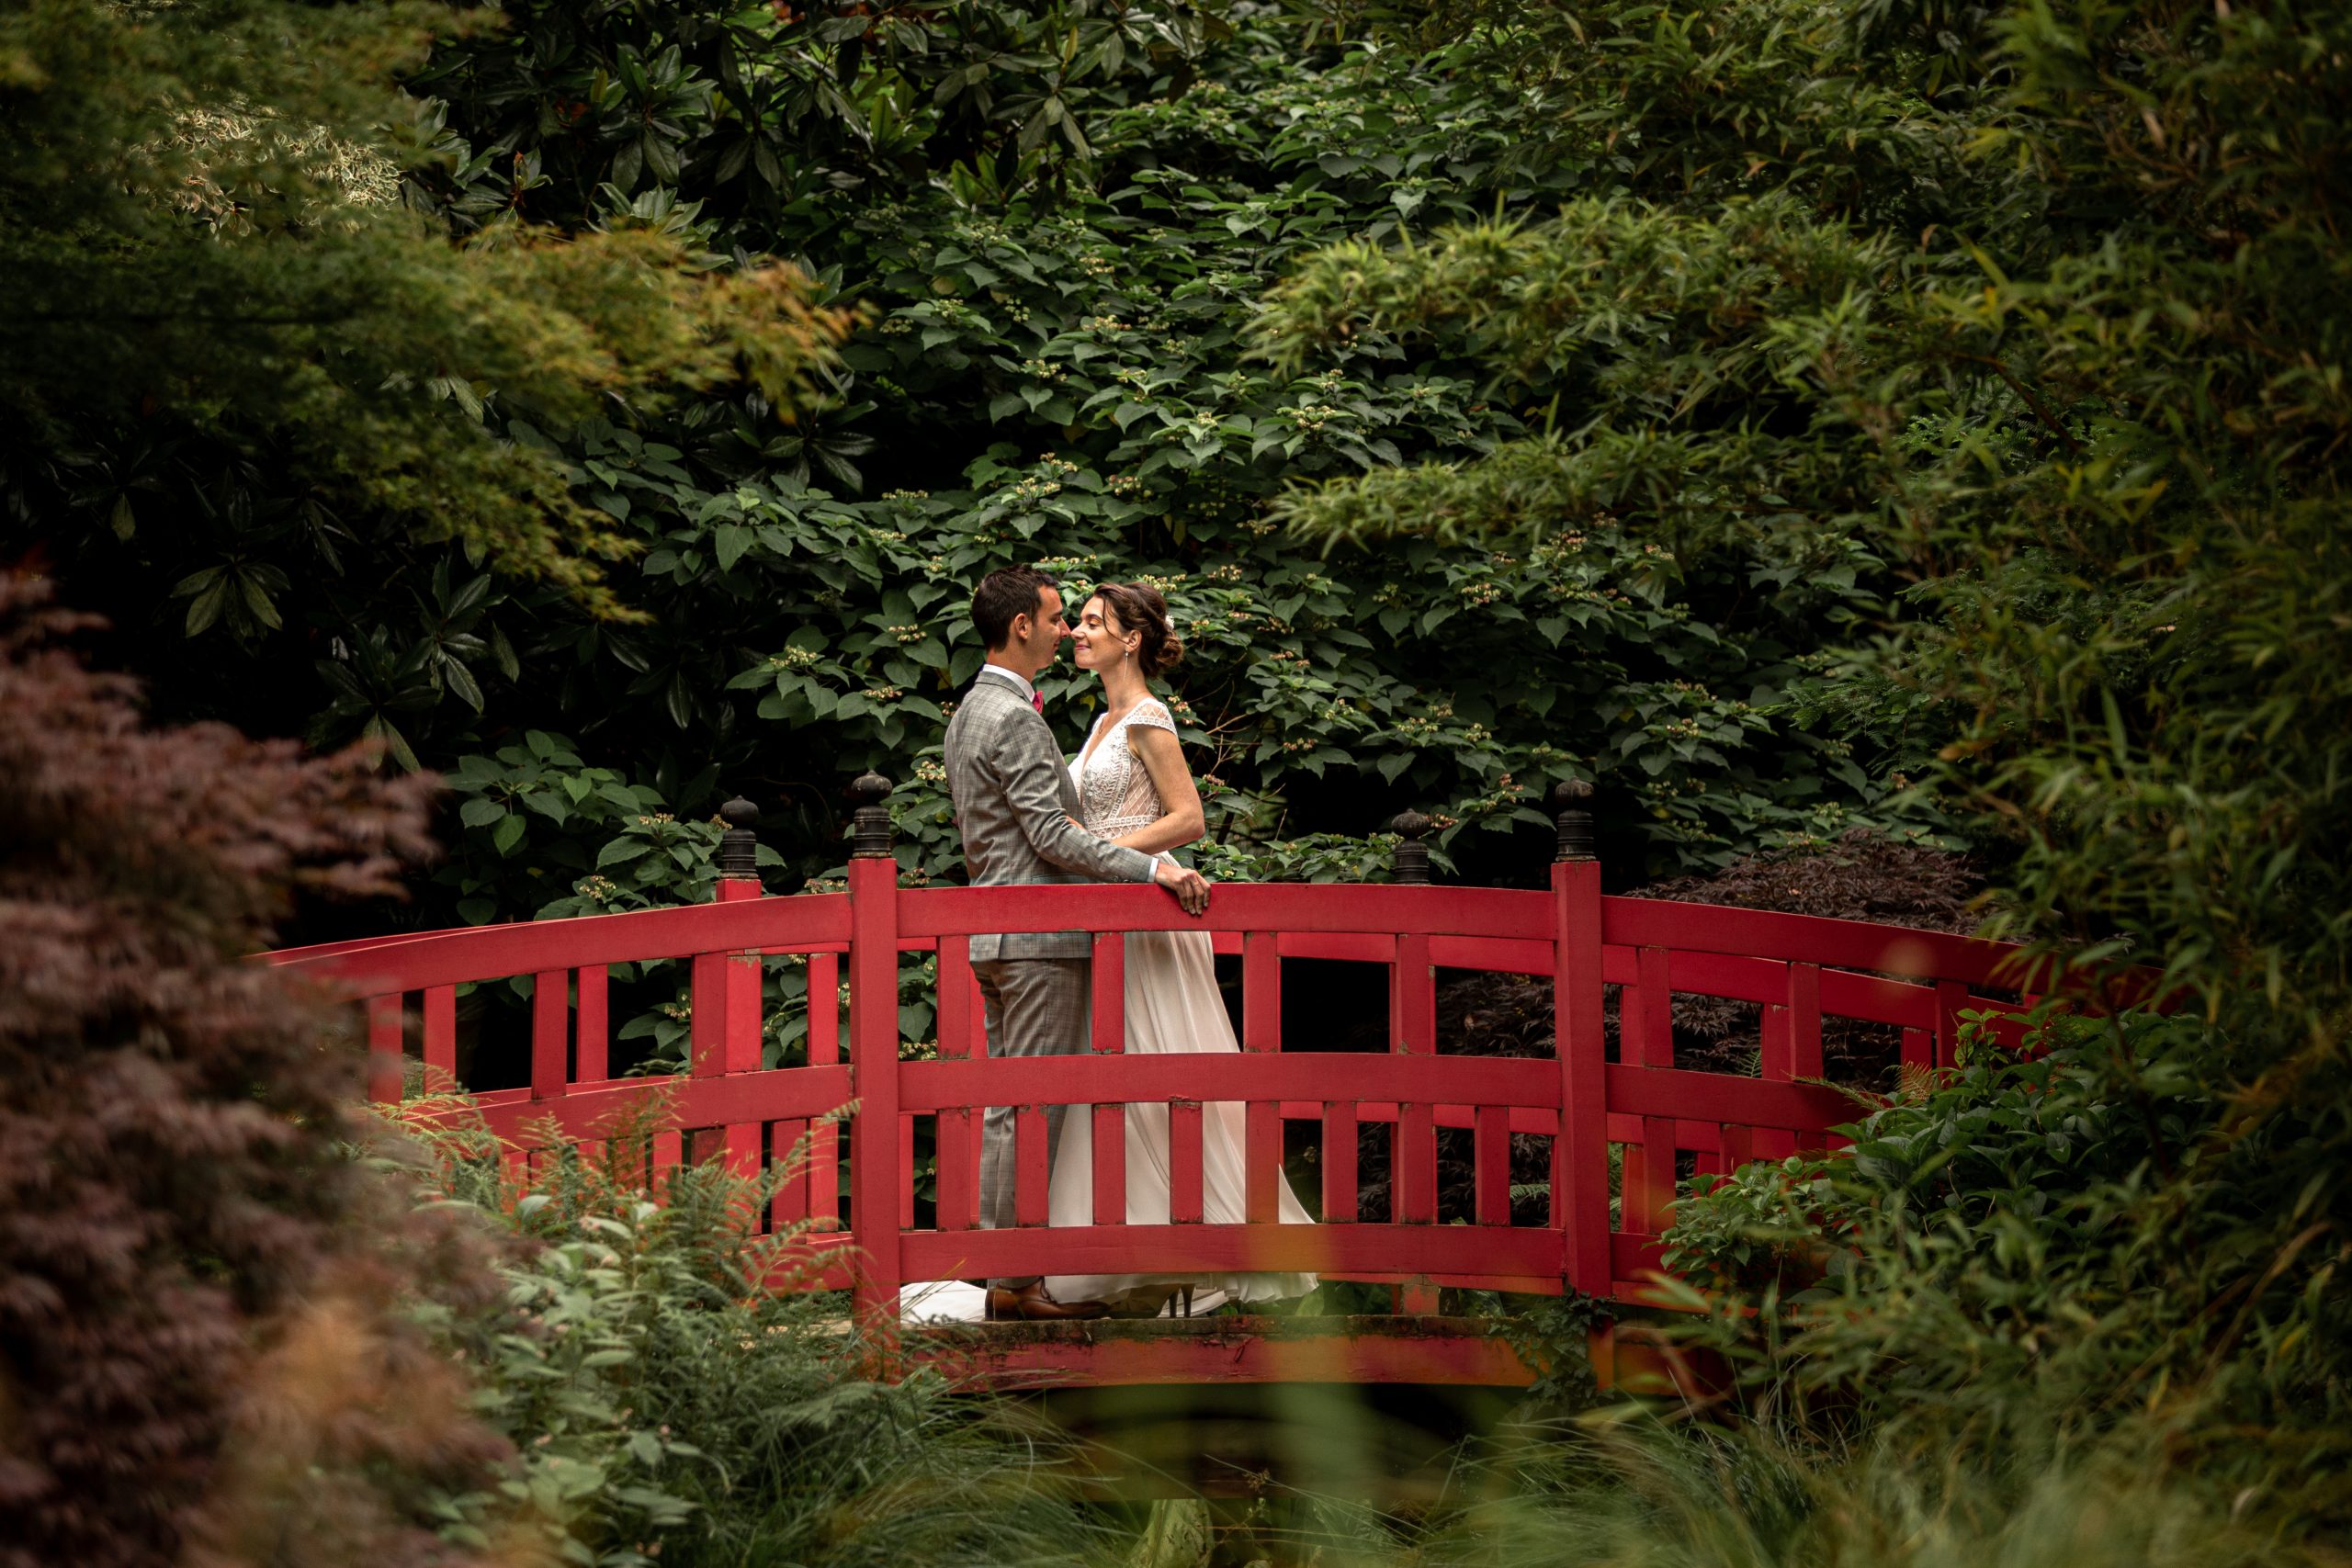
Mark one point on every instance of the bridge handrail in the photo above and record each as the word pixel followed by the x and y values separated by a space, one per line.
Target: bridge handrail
pixel 1798 969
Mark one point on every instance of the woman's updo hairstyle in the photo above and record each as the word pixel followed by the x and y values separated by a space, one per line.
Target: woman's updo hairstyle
pixel 1139 607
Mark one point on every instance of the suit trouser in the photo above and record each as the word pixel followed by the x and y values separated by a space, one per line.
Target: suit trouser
pixel 1034 1006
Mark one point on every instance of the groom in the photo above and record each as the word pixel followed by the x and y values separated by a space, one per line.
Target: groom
pixel 1014 805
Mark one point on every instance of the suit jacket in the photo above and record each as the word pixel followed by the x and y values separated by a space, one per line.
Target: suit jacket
pixel 1014 805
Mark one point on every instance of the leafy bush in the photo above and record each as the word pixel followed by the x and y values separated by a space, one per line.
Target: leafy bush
pixel 668 1401
pixel 197 1339
pixel 2065 1245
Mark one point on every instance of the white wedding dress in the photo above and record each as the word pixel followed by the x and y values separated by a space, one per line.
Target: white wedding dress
pixel 1173 1005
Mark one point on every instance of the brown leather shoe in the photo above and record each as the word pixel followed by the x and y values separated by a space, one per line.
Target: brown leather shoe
pixel 1030 1304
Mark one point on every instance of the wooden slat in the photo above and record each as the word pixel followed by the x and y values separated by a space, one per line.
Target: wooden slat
pixel 1951 996
pixel 1444 1253
pixel 550 1018
pixel 591 1030
pixel 1262 1033
pixel 386 1062
pixel 1108 1000
pixel 907 1164
pixel 959 1000
pixel 1029 1165
pixel 1338 1159
pixel 1109 1138
pixel 879 1175
pixel 1412 1030
pixel 1108 1128
pixel 440 1039
pixel 791 1202
pixel 825 1010
pixel 1184 1162
pixel 1490 1165
pixel 1580 1043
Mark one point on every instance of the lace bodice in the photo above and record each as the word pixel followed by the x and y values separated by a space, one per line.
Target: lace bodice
pixel 1114 788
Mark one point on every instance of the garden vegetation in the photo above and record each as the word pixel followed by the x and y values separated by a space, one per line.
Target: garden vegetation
pixel 1922 418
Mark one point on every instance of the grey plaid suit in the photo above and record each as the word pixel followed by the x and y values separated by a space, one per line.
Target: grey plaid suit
pixel 1014 803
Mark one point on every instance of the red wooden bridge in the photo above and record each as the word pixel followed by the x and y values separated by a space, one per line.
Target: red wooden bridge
pixel 1799 970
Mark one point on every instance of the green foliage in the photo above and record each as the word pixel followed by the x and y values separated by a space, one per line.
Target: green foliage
pixel 202 244
pixel 1055 362
pixel 2064 1245
pixel 665 1403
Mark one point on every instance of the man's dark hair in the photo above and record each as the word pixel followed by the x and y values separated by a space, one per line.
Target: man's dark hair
pixel 1007 591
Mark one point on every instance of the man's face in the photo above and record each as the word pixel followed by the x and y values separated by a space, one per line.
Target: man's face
pixel 1046 629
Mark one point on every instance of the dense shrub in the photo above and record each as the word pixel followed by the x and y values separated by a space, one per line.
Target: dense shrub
pixel 669 1402
pixel 198 1357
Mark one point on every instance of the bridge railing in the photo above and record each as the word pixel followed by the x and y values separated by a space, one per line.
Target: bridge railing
pixel 1579 1101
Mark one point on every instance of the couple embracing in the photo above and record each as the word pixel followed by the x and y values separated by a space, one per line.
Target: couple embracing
pixel 1112 814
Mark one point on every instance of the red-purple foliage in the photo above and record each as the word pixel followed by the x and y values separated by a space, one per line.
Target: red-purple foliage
pixel 197 1361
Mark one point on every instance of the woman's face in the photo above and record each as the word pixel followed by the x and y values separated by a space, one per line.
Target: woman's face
pixel 1100 642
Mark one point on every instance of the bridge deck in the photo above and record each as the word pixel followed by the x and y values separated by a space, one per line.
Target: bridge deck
pixel 1227 1348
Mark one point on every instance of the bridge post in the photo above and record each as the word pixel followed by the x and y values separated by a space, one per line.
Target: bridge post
pixel 1580 1154
pixel 876 1176
pixel 1410 864
pixel 726 1022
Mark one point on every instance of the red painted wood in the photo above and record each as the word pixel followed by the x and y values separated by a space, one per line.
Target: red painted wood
pixel 387 1061
pixel 1252 1075
pixel 1646 1036
pixel 1185 1161
pixel 1649 1195
pixel 705 1026
pixel 907 1164
pixel 1718 1096
pixel 1647 1012
pixel 1850 944
pixel 1412 1030
pixel 1273 1351
pixel 876 1178
pixel 1951 996
pixel 1262 1033
pixel 957 1150
pixel 791 1204
pixel 1338 1156
pixel 825 1010
pixel 440 1039
pixel 958 1188
pixel 1108 1015
pixel 1108 1002
pixel 1416 1298
pixel 1110 1135
pixel 1490 1165
pixel 1582 1089
pixel 1738 1147
pixel 592 1032
pixel 958 1000
pixel 1393 1252
pixel 493 952
pixel 587 1110
pixel 1243 907
pixel 551 1018
pixel 1030 1170
pixel 1801 970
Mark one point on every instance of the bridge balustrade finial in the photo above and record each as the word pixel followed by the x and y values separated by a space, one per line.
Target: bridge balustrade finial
pixel 1411 861
pixel 1571 809
pixel 870 829
pixel 738 847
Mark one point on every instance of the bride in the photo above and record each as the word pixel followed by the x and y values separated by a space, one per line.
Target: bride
pixel 1135 791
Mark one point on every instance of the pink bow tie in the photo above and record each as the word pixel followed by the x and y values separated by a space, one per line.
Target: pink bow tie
pixel 1037 701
